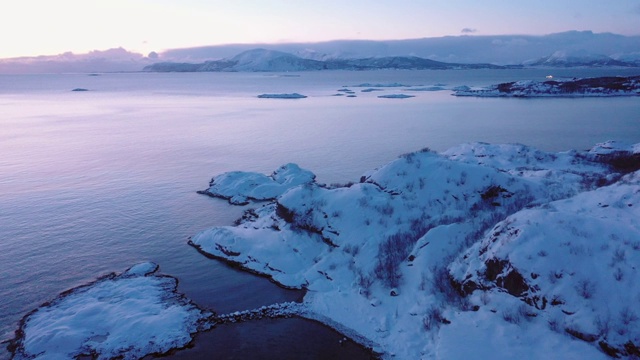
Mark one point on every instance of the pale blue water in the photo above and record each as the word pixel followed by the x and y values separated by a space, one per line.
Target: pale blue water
pixel 94 182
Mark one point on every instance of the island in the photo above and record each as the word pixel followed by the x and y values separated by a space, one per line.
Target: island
pixel 585 87
pixel 282 96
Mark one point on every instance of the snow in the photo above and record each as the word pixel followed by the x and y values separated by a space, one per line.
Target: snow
pixel 380 85
pixel 129 315
pixel 574 58
pixel 610 147
pixel 239 186
pixel 578 255
pixel 396 96
pixel 427 88
pixel 282 96
pixel 586 87
pixel 381 259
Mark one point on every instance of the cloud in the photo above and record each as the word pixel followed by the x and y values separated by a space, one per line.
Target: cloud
pixel 468 30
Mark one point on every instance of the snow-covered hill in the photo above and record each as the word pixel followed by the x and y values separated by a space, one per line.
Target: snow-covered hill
pixel 580 58
pixel 602 86
pixel 271 60
pixel 499 251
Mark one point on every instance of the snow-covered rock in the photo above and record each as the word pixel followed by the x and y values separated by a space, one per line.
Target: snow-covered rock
pixel 602 86
pixel 119 316
pixel 399 258
pixel 239 187
pixel 282 96
pixel 574 263
pixel 396 96
pixel 427 88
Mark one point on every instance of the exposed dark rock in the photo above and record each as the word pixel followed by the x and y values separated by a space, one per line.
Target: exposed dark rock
pixel 284 213
pixel 582 336
pixel 513 282
pixel 622 161
pixel 609 350
pixel 632 349
pixel 493 192
pixel 494 268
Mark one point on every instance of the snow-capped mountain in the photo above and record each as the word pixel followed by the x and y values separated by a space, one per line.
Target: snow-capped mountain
pixel 494 49
pixel 577 58
pixel 497 50
pixel 270 60
pixel 631 58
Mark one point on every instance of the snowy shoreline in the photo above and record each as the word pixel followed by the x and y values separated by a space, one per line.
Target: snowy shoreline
pixel 478 250
pixel 129 315
pixel 98 319
pixel 394 260
pixel 586 87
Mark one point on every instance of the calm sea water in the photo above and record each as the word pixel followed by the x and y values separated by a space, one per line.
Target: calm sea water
pixel 94 182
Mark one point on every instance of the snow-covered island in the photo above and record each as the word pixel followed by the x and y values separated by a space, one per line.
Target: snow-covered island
pixel 395 96
pixel 602 86
pixel 126 316
pixel 481 251
pixel 282 96
pixel 123 316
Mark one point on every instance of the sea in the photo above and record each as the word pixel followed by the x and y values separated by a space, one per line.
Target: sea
pixel 93 182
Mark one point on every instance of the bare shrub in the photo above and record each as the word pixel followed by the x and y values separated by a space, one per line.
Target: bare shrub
pixel 628 316
pixel 603 324
pixel 512 316
pixel 618 274
pixel 618 256
pixel 351 249
pixel 484 297
pixel 555 325
pixel 432 319
pixel 585 288
pixel 391 253
pixel 364 282
pixel 441 285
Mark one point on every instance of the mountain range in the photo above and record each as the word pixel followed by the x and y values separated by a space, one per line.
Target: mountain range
pixel 572 48
pixel 272 60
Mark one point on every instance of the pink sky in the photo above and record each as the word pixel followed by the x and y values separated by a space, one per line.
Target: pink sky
pixel 44 27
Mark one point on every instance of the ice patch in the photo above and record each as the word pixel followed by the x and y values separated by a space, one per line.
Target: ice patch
pixel 118 316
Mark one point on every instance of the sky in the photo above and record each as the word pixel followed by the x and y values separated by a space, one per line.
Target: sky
pixel 51 27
